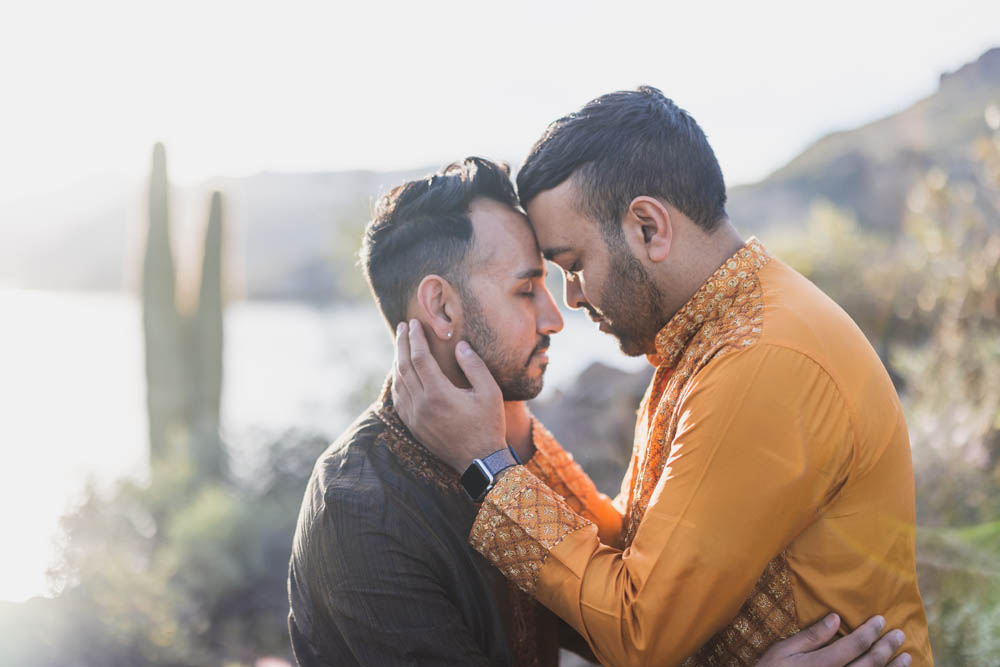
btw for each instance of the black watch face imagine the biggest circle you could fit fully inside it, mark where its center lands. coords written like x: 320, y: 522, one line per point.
x: 475, y: 481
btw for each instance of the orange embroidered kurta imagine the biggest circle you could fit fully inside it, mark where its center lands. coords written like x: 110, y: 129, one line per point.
x: 770, y: 482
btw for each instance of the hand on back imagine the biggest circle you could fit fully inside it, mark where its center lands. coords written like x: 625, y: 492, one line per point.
x: 865, y: 647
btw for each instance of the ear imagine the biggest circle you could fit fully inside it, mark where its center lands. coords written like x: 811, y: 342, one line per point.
x: 439, y: 308
x: 648, y: 228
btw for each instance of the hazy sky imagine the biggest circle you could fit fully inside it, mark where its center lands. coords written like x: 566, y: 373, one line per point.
x: 233, y: 88
x: 238, y: 87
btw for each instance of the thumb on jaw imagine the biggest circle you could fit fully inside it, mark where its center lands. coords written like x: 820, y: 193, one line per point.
x: 474, y: 368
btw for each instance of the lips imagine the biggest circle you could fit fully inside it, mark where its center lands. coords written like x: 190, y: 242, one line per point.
x: 540, y: 351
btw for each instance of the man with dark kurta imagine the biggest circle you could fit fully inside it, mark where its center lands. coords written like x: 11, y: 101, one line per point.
x: 381, y: 570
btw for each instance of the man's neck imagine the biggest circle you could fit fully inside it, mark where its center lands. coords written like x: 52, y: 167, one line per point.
x: 702, y: 255
x: 519, y: 435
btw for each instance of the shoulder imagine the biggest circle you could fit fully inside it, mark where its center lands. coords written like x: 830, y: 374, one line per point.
x: 774, y: 406
x: 347, y: 481
x: 799, y: 315
x: 764, y: 366
x: 768, y: 387
x: 360, y: 488
x: 344, y: 463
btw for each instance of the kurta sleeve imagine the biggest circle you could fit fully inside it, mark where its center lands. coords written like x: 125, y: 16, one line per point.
x: 763, y: 441
x: 555, y: 467
x: 383, y: 597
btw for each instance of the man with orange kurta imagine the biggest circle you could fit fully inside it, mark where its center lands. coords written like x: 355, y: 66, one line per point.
x: 771, y: 476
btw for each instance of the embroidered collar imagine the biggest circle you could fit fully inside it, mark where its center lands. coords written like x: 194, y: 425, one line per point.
x: 731, y: 284
x: 411, y: 454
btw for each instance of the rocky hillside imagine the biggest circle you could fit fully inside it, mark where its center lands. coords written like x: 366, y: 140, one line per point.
x: 869, y: 170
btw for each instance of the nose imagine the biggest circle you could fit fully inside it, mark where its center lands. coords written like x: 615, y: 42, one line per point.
x: 550, y: 320
x: 572, y: 293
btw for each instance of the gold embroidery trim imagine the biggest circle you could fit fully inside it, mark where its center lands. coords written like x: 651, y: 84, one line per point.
x: 520, y: 521
x: 766, y: 617
x: 408, y: 451
x: 555, y: 467
x: 724, y: 315
x: 724, y: 306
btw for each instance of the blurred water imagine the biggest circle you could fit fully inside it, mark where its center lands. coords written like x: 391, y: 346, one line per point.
x: 72, y: 395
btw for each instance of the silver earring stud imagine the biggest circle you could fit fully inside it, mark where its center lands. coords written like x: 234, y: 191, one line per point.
x: 449, y: 335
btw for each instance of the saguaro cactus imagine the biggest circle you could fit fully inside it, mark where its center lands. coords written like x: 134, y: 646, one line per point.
x: 161, y: 321
x: 205, y: 350
x: 183, y: 352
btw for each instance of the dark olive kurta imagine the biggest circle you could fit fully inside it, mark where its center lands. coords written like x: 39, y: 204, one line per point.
x: 382, y: 572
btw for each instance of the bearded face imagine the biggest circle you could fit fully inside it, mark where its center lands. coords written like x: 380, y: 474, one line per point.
x: 510, y: 364
x: 630, y: 302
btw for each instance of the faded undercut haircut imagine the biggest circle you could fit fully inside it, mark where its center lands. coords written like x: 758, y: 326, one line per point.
x: 422, y: 227
x: 623, y: 145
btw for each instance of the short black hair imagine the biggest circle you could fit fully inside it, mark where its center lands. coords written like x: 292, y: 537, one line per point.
x: 422, y: 227
x: 623, y: 145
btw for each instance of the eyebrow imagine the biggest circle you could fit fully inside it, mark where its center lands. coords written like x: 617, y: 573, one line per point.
x: 530, y: 273
x: 551, y: 253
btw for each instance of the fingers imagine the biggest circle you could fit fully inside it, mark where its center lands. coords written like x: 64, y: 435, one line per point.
x: 883, y: 650
x: 902, y: 660
x: 475, y: 369
x: 814, y: 637
x: 404, y: 363
x: 401, y: 397
x: 846, y: 649
x: 424, y: 365
x: 402, y: 400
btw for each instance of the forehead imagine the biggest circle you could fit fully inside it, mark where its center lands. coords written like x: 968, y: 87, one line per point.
x: 556, y: 220
x: 504, y: 242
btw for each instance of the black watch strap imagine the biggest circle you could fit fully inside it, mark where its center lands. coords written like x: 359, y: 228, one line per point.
x: 479, y: 478
x: 499, y: 460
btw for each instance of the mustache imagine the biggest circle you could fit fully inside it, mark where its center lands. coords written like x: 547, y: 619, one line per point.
x: 592, y: 312
x: 543, y: 344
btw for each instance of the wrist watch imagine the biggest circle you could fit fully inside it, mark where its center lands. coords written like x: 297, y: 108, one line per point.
x: 480, y: 476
